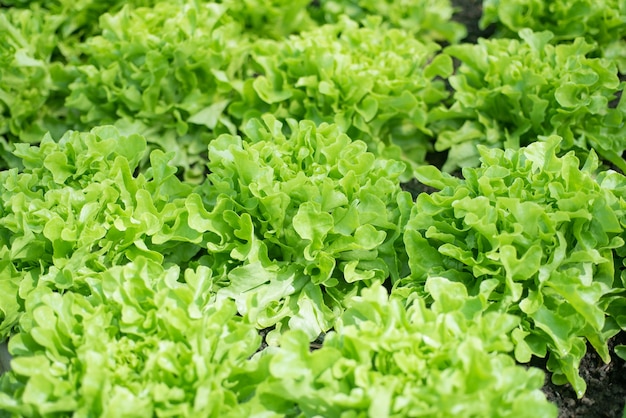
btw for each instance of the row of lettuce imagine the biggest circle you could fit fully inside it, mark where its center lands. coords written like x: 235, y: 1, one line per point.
x: 184, y: 72
x: 133, y: 288
x: 217, y: 168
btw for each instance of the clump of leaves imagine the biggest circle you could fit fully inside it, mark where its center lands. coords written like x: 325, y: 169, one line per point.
x: 74, y: 19
x: 508, y: 93
x: 542, y: 231
x: 424, y: 19
x: 31, y: 87
x: 77, y: 206
x: 298, y: 223
x: 200, y: 74
x: 169, y: 86
x: 137, y: 343
x: 378, y: 85
x: 600, y: 22
x: 388, y: 358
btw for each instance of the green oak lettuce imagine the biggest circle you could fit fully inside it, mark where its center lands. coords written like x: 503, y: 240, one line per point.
x: 201, y: 73
x: 79, y: 19
x: 509, y: 92
x: 40, y: 46
x: 545, y: 229
x: 74, y: 20
x: 424, y: 19
x: 80, y: 64
x: 273, y: 19
x: 171, y: 86
x: 291, y: 225
x: 31, y: 86
x: 616, y: 308
x: 377, y: 84
x: 79, y: 206
x: 298, y: 222
x: 601, y: 22
x: 138, y: 343
x: 144, y: 343
x: 388, y: 358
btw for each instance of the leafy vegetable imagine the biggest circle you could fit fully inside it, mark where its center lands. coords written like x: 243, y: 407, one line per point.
x: 602, y: 22
x: 539, y: 227
x: 197, y: 76
x: 37, y: 58
x: 28, y: 82
x: 289, y: 223
x: 207, y: 68
x: 273, y: 19
x: 299, y: 223
x: 425, y: 19
x: 377, y: 84
x: 176, y: 176
x: 73, y: 20
x: 386, y: 360
x: 137, y: 344
x: 508, y: 93
x: 144, y: 344
x: 78, y: 207
x: 169, y: 86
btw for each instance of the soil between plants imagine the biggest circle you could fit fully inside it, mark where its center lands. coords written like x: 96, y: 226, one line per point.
x: 606, y: 383
x: 606, y: 387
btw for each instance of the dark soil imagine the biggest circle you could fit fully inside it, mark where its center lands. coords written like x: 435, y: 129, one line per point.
x: 469, y: 13
x: 606, y: 387
x: 606, y: 383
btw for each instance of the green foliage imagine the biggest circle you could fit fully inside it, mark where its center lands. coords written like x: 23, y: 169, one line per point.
x: 543, y: 231
x: 507, y: 93
x: 388, y: 360
x: 184, y: 87
x: 291, y: 224
x: 38, y: 50
x: 171, y: 85
x: 78, y: 207
x: 137, y: 344
x: 176, y: 176
x: 599, y: 22
x: 376, y: 84
x: 166, y: 71
x: 182, y: 73
x: 299, y: 223
x: 425, y: 19
x: 28, y: 82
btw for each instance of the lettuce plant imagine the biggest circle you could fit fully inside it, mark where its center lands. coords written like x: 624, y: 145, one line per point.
x: 507, y: 93
x: 170, y: 71
x: 201, y: 73
x: 291, y: 225
x: 30, y: 85
x: 297, y: 223
x: 137, y: 343
x: 425, y: 19
x: 171, y: 85
x: 78, y: 206
x: 600, y: 22
x: 273, y: 19
x: 376, y: 84
x: 142, y: 343
x: 544, y: 231
x: 38, y: 50
x: 387, y: 359
x: 74, y: 20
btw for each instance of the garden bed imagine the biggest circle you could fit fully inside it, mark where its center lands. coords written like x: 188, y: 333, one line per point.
x: 329, y: 208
